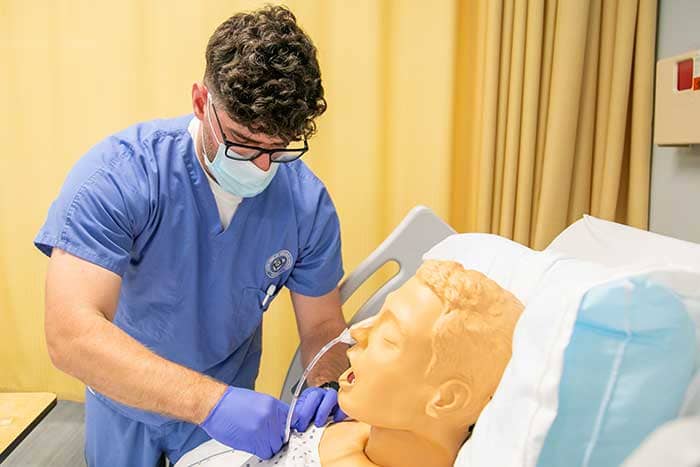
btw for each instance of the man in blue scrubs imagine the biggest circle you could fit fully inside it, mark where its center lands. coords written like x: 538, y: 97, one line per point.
x: 170, y: 239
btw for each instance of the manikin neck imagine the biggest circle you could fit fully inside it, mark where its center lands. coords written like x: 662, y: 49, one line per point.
x: 399, y: 448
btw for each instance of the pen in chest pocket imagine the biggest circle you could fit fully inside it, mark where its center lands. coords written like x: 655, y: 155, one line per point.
x: 268, y: 294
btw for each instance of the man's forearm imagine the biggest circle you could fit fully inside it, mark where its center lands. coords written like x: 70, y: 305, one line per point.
x: 113, y: 363
x: 334, y: 363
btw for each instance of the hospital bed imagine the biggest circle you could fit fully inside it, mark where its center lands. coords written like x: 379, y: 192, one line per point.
x: 590, y: 239
x: 405, y: 246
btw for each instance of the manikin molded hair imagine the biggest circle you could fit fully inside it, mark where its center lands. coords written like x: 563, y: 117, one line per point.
x: 478, y: 321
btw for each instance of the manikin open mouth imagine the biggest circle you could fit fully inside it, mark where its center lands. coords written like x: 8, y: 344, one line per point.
x: 351, y: 377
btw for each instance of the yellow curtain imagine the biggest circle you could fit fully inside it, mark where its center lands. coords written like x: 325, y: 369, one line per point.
x: 74, y: 71
x: 553, y: 111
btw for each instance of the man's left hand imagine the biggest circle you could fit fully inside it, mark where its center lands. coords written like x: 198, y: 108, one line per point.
x: 316, y: 404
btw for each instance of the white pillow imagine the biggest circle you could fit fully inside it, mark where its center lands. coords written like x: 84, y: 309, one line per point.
x: 511, y: 265
x: 615, y: 245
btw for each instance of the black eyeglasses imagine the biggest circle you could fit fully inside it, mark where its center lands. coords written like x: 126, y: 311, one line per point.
x: 244, y: 152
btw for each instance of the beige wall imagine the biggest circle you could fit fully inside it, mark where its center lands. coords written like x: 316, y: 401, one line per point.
x: 675, y: 173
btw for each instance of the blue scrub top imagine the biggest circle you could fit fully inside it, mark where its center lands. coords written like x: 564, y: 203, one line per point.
x: 139, y: 205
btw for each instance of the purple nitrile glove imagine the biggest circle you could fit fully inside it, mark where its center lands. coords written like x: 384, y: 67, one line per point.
x: 248, y: 421
x: 316, y: 404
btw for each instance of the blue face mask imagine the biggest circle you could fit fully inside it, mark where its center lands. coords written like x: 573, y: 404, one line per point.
x: 240, y: 178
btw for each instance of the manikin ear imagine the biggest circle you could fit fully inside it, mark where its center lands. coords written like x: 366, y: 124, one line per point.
x: 451, y: 398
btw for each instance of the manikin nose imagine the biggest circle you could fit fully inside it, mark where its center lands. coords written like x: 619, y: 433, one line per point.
x: 355, y: 333
x: 360, y: 330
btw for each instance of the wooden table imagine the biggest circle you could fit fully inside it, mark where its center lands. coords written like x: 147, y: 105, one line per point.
x: 20, y: 412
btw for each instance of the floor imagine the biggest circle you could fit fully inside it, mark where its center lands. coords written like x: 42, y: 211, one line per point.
x: 56, y: 441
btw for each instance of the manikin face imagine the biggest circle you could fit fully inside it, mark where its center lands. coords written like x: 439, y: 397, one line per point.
x: 386, y: 384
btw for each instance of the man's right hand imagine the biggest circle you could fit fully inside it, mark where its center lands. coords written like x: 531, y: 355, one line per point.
x: 248, y: 421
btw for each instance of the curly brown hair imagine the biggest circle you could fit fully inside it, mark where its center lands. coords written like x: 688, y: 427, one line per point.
x: 263, y: 68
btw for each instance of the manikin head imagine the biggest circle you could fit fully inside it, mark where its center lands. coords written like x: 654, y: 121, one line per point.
x: 432, y: 358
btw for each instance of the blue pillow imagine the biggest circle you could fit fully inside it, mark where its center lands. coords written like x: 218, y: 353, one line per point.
x: 626, y: 370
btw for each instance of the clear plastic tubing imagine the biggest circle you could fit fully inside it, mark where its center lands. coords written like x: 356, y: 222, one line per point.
x: 344, y: 338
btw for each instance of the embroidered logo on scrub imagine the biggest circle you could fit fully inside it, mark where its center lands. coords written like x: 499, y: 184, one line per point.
x: 278, y: 263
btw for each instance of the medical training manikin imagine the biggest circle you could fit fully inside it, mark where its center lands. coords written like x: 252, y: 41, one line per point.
x: 421, y: 372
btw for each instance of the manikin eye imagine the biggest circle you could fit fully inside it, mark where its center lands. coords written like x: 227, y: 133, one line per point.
x: 390, y: 337
x: 389, y: 333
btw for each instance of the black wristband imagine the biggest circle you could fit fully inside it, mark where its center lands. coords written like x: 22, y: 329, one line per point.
x: 331, y: 385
